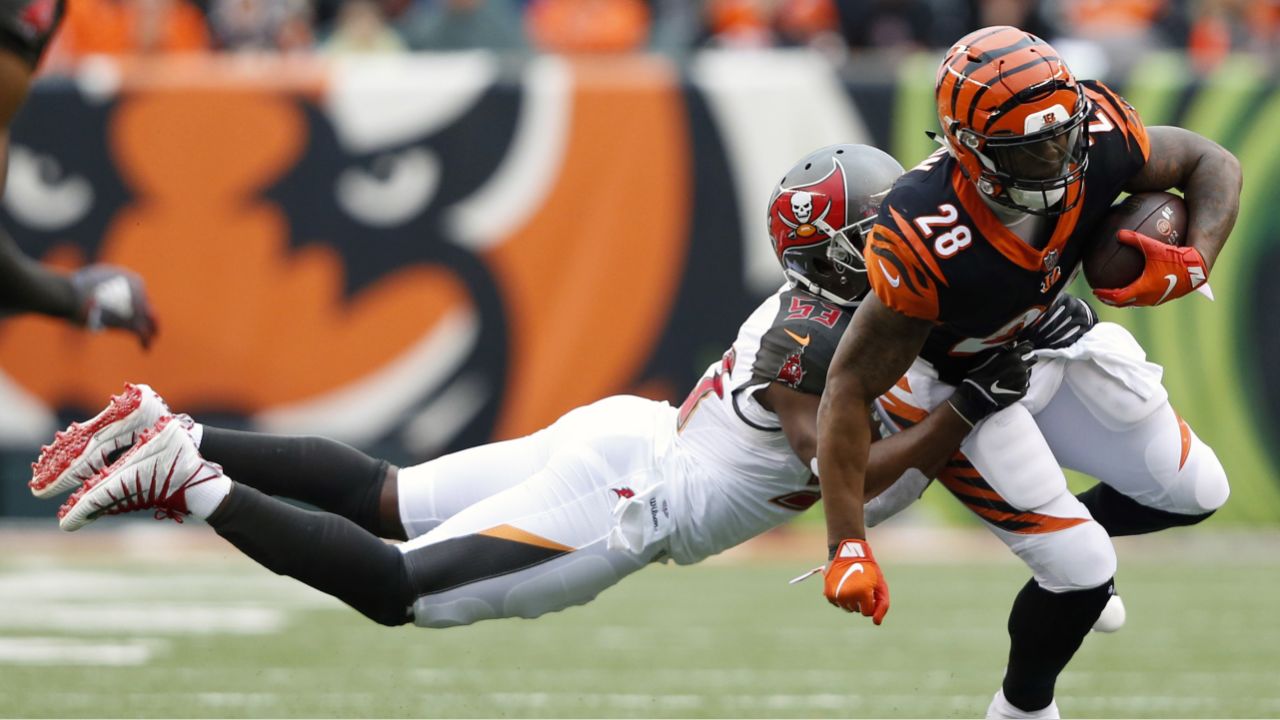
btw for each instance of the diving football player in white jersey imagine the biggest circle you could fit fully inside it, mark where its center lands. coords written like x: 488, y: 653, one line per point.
x: 540, y: 523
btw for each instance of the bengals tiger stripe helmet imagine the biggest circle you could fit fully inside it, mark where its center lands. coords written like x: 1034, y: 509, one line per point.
x: 820, y: 213
x: 1013, y: 116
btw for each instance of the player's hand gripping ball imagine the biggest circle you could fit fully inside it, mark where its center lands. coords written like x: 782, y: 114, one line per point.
x: 1138, y: 258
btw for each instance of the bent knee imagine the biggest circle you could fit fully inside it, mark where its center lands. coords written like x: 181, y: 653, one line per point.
x: 1200, y: 486
x: 1077, y: 558
x: 1211, y: 486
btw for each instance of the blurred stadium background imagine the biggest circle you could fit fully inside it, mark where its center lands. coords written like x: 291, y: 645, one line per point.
x: 419, y: 225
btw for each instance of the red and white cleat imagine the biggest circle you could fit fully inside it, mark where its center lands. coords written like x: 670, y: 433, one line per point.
x: 83, y: 449
x: 155, y: 474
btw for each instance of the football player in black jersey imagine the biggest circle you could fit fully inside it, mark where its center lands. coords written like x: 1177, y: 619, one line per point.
x: 96, y: 296
x: 543, y: 522
x: 971, y: 249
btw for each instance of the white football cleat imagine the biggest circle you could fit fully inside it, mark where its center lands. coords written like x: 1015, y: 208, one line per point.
x: 1112, y: 617
x: 155, y: 474
x: 83, y: 449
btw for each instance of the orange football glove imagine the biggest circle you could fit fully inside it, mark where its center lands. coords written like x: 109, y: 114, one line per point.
x: 1170, y: 273
x: 853, y: 581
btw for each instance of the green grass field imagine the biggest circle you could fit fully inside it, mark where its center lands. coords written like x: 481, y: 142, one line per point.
x: 104, y: 625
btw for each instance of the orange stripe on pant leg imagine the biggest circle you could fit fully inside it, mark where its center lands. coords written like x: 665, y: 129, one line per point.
x: 956, y: 486
x: 1037, y: 524
x: 894, y: 405
x: 1185, y: 431
x: 972, y: 494
x: 515, y: 534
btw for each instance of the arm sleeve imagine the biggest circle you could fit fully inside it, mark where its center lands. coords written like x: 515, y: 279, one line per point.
x: 902, y: 271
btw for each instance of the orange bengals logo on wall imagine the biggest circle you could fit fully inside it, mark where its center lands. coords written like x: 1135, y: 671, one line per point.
x: 304, y: 258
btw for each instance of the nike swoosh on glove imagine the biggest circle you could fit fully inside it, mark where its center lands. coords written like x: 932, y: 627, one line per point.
x: 112, y: 297
x: 1170, y: 272
x: 1000, y: 381
x: 853, y: 581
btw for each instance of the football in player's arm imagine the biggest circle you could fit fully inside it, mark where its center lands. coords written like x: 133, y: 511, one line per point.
x: 1211, y: 180
x: 97, y: 296
x: 572, y: 509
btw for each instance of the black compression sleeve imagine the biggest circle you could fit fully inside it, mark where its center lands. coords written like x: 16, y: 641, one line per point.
x: 325, y: 551
x: 328, y: 474
x: 1045, y: 630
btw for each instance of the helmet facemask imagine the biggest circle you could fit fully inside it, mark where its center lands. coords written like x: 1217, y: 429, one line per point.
x: 1032, y: 172
x: 835, y: 270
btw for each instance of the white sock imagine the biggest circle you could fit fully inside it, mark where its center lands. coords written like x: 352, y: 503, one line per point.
x: 204, y: 498
x: 197, y: 434
x: 1001, y: 708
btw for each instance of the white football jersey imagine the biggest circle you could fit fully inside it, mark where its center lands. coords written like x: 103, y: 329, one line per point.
x: 741, y: 476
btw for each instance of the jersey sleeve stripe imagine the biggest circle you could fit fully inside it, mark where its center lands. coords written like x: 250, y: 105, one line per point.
x: 917, y: 246
x: 1124, y: 117
x: 921, y: 303
x: 987, y: 504
x: 901, y: 267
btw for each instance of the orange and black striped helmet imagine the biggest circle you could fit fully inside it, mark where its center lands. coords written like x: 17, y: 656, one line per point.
x: 1013, y: 116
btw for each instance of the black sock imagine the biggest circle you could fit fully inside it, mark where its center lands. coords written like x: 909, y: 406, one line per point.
x: 1045, y: 630
x: 328, y: 474
x: 1121, y: 515
x: 323, y: 550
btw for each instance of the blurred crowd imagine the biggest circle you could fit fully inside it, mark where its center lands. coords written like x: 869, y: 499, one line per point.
x: 1114, y: 30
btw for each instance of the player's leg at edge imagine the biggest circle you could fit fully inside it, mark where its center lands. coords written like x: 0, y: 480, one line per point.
x: 164, y: 472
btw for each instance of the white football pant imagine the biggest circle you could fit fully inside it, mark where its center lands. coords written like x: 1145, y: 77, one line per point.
x: 1096, y: 407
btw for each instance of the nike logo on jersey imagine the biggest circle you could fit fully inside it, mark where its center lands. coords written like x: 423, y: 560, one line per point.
x: 804, y: 341
x: 894, y: 280
x: 1173, y: 282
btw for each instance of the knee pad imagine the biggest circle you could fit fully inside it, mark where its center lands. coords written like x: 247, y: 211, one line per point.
x: 1076, y: 558
x: 1014, y: 459
x: 1200, y: 484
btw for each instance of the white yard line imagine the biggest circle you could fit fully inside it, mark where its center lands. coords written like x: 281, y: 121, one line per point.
x: 66, y: 651
x: 137, y: 618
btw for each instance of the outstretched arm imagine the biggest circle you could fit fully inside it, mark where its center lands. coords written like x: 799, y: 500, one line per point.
x: 925, y: 446
x: 1209, y: 177
x: 25, y: 285
x: 96, y: 296
x: 874, y: 352
x: 28, y: 286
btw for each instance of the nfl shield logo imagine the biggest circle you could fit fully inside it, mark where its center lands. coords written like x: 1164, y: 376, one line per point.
x: 1050, y: 260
